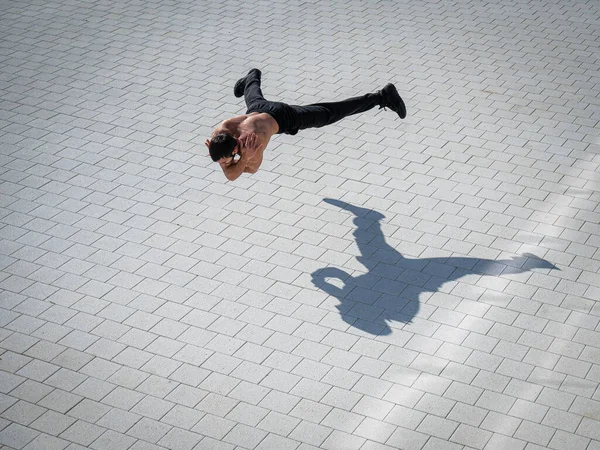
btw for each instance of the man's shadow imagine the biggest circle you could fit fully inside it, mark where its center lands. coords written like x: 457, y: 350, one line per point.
x: 390, y: 289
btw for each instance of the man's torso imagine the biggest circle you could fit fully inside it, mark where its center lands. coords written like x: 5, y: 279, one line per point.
x: 261, y: 124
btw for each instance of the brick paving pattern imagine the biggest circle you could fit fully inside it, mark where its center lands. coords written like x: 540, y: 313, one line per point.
x: 422, y: 284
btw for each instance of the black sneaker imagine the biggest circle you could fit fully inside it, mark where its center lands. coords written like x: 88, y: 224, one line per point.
x: 391, y: 99
x: 240, y: 85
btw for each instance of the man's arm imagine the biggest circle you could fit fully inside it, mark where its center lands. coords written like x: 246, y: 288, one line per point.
x: 249, y: 146
x: 234, y: 170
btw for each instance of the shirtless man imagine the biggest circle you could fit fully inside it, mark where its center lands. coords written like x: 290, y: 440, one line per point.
x: 247, y: 136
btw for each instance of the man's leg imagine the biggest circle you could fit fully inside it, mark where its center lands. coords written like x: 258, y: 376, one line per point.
x: 321, y: 114
x: 249, y: 87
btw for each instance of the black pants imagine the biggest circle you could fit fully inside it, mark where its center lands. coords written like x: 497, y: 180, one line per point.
x: 292, y: 118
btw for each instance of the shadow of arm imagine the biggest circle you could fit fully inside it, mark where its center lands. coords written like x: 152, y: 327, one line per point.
x: 319, y: 279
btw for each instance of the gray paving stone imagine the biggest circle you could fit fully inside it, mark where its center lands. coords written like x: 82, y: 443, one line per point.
x: 433, y: 404
x: 94, y: 389
x: 118, y: 420
x: 47, y: 442
x: 112, y: 440
x: 31, y: 391
x: 60, y: 401
x: 17, y: 436
x: 278, y: 423
x: 561, y: 420
x: 310, y: 433
x: 467, y: 414
x: 437, y: 426
x: 152, y: 407
x: 127, y: 377
x: 279, y: 401
x: 471, y: 436
x: 345, y: 421
x: 216, y: 404
x: 82, y: 433
x: 185, y: 395
x: 339, y: 439
x: 463, y: 393
x: 157, y: 386
x: 12, y: 362
x: 310, y: 389
x: 431, y: 383
x: 180, y: 439
x: 498, y: 441
x: 407, y: 438
x: 23, y: 412
x: 37, y: 370
x: 122, y: 398
x: 8, y: 381
x: 565, y: 440
x: 244, y: 435
x: 213, y: 426
x: 149, y: 430
x: 532, y: 432
x: 52, y: 423
x: 247, y: 414
x: 274, y: 442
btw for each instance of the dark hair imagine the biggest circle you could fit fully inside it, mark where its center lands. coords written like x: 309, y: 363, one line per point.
x: 221, y: 146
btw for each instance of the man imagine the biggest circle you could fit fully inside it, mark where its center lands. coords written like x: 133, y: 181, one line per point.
x: 247, y: 136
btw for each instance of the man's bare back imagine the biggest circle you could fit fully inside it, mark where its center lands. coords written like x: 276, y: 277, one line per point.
x: 253, y: 132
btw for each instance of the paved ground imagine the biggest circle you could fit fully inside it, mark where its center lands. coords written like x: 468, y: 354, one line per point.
x: 431, y: 283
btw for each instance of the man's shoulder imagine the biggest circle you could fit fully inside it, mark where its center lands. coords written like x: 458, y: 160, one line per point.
x: 230, y: 125
x: 259, y: 119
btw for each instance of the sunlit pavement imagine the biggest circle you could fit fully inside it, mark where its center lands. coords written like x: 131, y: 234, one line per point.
x: 428, y: 283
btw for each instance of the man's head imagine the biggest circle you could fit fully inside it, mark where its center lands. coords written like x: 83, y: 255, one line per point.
x: 222, y: 148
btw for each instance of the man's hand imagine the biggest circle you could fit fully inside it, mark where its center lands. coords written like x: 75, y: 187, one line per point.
x: 250, y: 145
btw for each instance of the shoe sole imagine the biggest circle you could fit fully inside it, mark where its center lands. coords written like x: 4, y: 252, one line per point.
x: 238, y: 89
